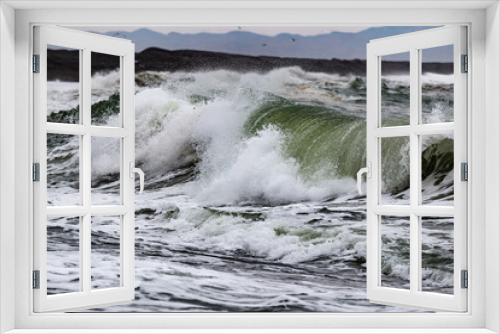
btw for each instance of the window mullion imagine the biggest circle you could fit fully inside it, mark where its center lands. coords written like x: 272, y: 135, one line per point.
x: 85, y: 246
x: 82, y: 224
x: 414, y: 171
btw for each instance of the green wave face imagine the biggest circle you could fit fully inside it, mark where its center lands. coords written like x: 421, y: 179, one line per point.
x: 329, y: 144
x: 325, y: 143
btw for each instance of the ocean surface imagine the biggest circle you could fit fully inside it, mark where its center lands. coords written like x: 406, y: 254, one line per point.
x: 250, y: 201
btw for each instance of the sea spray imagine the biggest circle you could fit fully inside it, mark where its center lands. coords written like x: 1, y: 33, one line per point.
x: 261, y: 172
x: 205, y: 117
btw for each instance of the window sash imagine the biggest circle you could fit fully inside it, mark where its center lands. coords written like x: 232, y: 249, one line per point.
x: 413, y: 43
x: 86, y: 43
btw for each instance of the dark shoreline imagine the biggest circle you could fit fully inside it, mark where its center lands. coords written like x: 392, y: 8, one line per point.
x: 63, y: 64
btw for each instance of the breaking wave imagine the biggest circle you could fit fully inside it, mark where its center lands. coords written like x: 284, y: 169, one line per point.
x: 256, y: 169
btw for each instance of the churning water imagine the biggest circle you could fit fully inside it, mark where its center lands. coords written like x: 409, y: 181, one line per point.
x: 250, y: 201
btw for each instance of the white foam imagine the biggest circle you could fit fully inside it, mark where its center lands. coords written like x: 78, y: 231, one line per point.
x: 258, y: 171
x: 438, y: 79
x: 164, y: 126
x: 233, y: 168
x: 62, y: 95
x: 427, y: 78
x: 103, y: 85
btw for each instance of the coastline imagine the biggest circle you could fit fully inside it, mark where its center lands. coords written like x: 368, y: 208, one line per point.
x: 61, y: 63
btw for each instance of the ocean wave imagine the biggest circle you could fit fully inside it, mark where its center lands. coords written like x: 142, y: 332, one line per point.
x: 250, y: 182
x: 218, y: 123
x: 261, y: 172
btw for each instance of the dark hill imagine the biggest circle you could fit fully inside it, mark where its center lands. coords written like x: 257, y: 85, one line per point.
x: 63, y: 64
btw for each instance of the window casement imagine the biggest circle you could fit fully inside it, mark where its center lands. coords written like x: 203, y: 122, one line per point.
x: 415, y: 211
x: 80, y: 211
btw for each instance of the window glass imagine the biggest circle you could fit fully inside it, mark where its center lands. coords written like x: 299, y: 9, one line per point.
x: 395, y: 252
x: 395, y: 168
x: 63, y: 170
x: 105, y: 253
x: 438, y: 170
x: 395, y: 89
x: 437, y: 254
x: 63, y: 85
x: 63, y: 255
x: 437, y: 84
x: 106, y: 171
x: 105, y: 86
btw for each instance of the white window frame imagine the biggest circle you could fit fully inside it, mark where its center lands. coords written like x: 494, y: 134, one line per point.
x: 414, y: 44
x: 484, y: 237
x: 86, y: 43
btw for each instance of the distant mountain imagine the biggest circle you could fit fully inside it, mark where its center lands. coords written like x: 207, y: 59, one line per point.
x: 340, y: 45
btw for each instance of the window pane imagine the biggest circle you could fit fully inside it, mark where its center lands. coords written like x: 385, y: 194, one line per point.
x: 63, y: 85
x: 437, y: 170
x: 63, y: 255
x: 105, y: 86
x: 106, y: 159
x: 437, y: 254
x: 437, y: 84
x: 395, y: 89
x: 395, y: 169
x: 105, y: 254
x: 395, y: 252
x: 63, y: 170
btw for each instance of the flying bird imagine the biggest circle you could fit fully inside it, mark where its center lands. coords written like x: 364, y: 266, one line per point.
x: 264, y: 45
x: 292, y: 39
x: 239, y: 28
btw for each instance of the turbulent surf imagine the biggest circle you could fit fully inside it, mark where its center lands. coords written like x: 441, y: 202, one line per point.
x: 251, y: 200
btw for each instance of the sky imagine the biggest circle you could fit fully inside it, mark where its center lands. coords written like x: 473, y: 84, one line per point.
x: 316, y: 42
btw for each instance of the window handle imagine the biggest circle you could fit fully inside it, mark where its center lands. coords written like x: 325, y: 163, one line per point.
x: 134, y: 170
x: 368, y: 171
